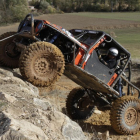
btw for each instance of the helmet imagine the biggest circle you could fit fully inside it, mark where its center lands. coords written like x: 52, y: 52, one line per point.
x: 113, y: 51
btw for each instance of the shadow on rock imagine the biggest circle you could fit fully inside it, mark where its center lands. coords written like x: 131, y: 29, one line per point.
x: 91, y: 128
x: 4, y: 123
x: 4, y: 120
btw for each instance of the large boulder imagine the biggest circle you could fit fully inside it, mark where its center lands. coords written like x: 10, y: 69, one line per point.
x: 30, y: 116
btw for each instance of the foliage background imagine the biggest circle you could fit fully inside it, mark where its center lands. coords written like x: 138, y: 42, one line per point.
x: 15, y: 10
x: 96, y: 5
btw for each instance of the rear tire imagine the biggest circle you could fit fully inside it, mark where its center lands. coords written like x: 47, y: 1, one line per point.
x: 125, y: 115
x: 42, y: 64
x: 79, y: 105
x: 9, y: 57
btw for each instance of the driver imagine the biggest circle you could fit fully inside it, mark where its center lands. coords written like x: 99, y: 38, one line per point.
x: 110, y: 59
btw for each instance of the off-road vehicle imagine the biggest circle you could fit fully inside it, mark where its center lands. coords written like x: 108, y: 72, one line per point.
x: 43, y: 51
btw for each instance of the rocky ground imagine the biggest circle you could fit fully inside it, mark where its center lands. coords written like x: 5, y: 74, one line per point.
x: 98, y: 125
x: 38, y: 114
x: 30, y: 116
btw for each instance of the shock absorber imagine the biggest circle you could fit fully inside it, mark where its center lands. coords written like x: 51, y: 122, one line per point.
x: 120, y: 86
x: 54, y: 38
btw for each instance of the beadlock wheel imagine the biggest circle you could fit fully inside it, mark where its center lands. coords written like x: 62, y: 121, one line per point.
x: 125, y: 115
x: 78, y: 104
x: 42, y: 64
x: 131, y: 116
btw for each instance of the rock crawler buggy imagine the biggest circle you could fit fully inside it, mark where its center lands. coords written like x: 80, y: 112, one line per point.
x: 43, y: 51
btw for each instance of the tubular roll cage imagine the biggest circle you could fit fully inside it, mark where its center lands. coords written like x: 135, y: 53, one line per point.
x: 87, y: 51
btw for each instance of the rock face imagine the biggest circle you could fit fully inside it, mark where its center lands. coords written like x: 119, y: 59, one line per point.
x: 30, y: 116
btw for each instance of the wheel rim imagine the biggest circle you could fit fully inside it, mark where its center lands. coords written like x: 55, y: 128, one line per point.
x: 10, y: 50
x: 83, y: 104
x: 130, y: 116
x: 41, y: 66
x: 44, y: 67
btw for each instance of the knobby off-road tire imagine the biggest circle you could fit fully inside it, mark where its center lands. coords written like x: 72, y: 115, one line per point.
x: 9, y: 56
x: 79, y: 105
x: 42, y: 64
x: 125, y: 117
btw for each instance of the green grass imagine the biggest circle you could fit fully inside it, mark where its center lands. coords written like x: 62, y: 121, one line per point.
x: 130, y: 39
x: 131, y: 16
x: 127, y: 37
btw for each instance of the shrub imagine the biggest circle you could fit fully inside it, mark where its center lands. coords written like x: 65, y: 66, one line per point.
x: 43, y: 5
x: 97, y: 7
x: 51, y: 9
x: 137, y: 8
x: 105, y: 8
x: 19, y: 12
x: 13, y: 10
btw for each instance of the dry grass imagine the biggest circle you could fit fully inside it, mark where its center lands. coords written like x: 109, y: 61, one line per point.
x: 86, y: 21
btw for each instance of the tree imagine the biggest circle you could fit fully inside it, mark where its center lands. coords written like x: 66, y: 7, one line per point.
x: 132, y: 4
x: 13, y: 10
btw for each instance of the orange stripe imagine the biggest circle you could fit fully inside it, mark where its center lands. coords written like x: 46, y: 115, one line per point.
x: 94, y: 47
x: 79, y: 57
x: 112, y: 79
x: 47, y: 22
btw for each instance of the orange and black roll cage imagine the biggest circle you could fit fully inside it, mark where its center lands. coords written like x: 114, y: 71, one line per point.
x: 84, y: 53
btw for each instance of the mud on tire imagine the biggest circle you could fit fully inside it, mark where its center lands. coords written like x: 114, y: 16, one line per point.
x: 8, y: 55
x: 78, y: 105
x: 42, y: 64
x: 125, y: 115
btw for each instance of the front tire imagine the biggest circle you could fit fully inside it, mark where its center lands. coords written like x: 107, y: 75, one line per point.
x: 78, y: 104
x: 125, y: 115
x: 42, y: 64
